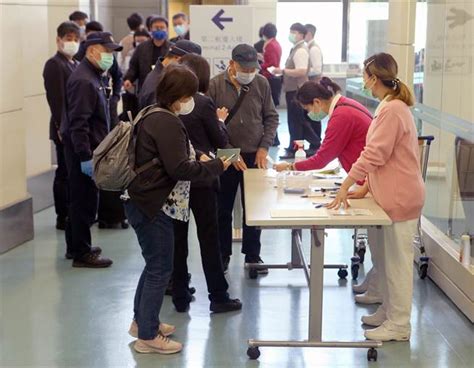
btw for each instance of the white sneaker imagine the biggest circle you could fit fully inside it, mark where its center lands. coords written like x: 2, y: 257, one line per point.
x: 165, y: 329
x: 361, y: 288
x: 384, y: 333
x: 160, y: 345
x: 376, y: 319
x: 368, y: 299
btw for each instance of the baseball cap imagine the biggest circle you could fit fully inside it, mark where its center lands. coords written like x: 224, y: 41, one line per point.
x: 183, y: 47
x: 103, y: 38
x: 246, y: 56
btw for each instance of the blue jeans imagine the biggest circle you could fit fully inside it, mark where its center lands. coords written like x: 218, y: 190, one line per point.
x: 156, y: 238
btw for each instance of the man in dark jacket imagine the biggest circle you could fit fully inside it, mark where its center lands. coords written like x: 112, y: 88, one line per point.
x: 56, y: 73
x: 181, y: 27
x: 147, y: 54
x: 147, y: 95
x: 252, y: 129
x: 113, y: 73
x: 87, y: 124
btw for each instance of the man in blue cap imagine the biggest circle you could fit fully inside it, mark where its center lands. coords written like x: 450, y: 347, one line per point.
x: 86, y: 125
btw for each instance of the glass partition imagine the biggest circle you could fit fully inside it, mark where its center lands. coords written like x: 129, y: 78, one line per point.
x: 444, y: 91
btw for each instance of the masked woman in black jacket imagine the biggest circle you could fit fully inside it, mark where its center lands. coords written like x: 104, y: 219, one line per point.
x: 207, y: 133
x: 160, y: 195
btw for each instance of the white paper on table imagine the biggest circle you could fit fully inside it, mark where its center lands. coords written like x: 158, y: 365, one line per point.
x: 351, y: 212
x: 299, y: 213
x: 270, y: 173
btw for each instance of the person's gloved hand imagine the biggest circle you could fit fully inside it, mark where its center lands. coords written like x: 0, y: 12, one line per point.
x: 86, y: 168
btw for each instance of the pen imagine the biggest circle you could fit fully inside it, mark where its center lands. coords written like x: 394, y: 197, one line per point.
x: 319, y: 205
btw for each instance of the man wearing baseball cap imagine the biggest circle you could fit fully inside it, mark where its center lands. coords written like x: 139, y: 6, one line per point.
x: 176, y: 51
x: 86, y: 125
x: 251, y: 127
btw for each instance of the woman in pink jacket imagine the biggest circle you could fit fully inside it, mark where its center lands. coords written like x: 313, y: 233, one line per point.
x: 390, y: 163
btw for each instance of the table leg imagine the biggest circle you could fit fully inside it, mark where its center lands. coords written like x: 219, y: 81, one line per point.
x: 316, y: 285
x: 296, y: 236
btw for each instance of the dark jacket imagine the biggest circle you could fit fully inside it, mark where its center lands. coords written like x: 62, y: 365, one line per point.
x: 88, y: 119
x: 142, y: 61
x: 178, y: 38
x: 147, y: 94
x: 163, y: 136
x: 255, y: 123
x: 56, y: 73
x: 205, y: 131
x: 113, y: 73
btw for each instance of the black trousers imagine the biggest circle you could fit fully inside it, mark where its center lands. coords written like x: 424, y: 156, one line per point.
x: 83, y: 201
x: 111, y: 210
x: 299, y: 125
x: 60, y: 184
x: 230, y: 181
x: 203, y: 203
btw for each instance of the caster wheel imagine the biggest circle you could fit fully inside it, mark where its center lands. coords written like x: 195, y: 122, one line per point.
x: 361, y: 254
x: 372, y: 355
x: 355, y: 271
x: 342, y: 273
x: 124, y: 224
x: 253, y: 273
x: 192, y: 290
x: 253, y: 353
x: 423, y: 270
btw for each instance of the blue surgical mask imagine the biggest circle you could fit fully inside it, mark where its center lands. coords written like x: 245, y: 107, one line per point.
x: 181, y: 29
x: 159, y: 35
x: 245, y: 78
x: 106, y: 61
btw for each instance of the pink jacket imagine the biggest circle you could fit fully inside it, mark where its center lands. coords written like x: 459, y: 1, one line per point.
x: 390, y: 161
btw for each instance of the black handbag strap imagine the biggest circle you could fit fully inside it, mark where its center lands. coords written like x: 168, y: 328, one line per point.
x: 243, y: 92
x: 354, y: 107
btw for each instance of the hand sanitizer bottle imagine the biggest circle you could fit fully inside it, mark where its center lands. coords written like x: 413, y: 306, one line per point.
x: 300, y: 154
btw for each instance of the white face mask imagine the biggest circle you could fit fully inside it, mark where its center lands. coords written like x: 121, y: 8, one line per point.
x: 186, y: 108
x: 245, y: 78
x: 70, y: 48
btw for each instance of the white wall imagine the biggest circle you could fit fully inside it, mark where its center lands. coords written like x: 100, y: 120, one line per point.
x: 27, y: 34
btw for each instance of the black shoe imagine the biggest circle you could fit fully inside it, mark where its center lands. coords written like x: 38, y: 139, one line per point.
x: 227, y: 306
x: 61, y: 223
x: 91, y: 260
x: 257, y: 260
x: 288, y: 155
x: 181, y: 303
x: 94, y: 250
x: 225, y: 263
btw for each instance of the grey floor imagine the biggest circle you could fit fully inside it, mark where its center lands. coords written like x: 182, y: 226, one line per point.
x: 55, y: 316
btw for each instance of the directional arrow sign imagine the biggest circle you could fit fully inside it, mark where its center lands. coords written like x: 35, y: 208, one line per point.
x: 218, y: 19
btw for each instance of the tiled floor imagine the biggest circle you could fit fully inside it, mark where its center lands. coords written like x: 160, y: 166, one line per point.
x: 52, y: 315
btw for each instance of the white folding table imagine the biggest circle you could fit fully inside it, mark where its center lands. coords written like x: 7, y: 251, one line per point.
x: 261, y: 197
